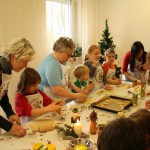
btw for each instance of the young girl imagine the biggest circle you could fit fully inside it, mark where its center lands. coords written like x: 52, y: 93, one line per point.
x: 109, y: 67
x: 96, y: 71
x: 29, y: 101
x: 81, y: 72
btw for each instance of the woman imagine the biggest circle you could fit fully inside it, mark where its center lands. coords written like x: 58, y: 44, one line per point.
x: 16, y: 56
x: 50, y: 70
x: 147, y: 66
x: 133, y: 61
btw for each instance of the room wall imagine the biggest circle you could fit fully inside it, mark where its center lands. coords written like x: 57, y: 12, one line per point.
x: 128, y: 21
x: 23, y: 18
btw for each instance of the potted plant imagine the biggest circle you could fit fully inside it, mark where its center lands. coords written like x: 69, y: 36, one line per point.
x: 77, y: 53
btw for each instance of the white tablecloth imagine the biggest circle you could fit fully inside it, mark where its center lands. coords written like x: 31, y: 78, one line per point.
x: 8, y: 142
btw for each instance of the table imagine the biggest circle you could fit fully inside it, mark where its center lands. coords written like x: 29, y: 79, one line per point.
x: 8, y: 142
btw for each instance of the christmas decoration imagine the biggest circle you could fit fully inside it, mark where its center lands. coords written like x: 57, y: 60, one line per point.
x: 77, y: 52
x: 67, y: 130
x: 106, y: 43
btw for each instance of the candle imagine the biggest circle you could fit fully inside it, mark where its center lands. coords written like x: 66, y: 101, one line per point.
x: 78, y: 128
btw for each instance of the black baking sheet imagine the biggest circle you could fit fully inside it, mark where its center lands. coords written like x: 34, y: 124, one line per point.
x: 113, y: 104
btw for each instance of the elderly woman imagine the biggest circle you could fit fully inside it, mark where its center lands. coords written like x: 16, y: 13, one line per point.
x: 16, y: 56
x: 50, y: 70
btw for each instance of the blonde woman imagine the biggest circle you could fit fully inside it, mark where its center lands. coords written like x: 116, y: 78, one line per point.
x: 15, y: 56
x: 50, y: 70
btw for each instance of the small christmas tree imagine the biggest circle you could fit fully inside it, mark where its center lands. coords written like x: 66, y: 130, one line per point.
x: 106, y: 43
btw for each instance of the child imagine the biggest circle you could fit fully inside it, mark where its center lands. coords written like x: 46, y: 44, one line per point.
x: 110, y: 68
x: 96, y: 71
x: 81, y: 72
x: 121, y: 134
x: 142, y: 120
x: 29, y: 101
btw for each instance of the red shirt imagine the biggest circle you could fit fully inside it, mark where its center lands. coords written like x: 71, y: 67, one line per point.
x: 23, y: 108
x: 126, y: 62
x: 107, y: 66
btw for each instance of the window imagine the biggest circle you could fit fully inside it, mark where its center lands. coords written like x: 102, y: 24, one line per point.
x: 58, y: 22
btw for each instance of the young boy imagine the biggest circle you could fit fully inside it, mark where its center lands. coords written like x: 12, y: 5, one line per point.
x: 81, y: 72
x: 109, y: 67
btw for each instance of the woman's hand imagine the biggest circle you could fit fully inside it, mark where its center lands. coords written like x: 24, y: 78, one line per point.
x: 17, y: 130
x: 14, y: 119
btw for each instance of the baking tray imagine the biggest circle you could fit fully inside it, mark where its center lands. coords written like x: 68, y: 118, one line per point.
x: 113, y: 104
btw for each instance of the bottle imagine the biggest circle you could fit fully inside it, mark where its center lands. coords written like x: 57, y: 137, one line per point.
x: 134, y: 99
x: 142, y: 92
x: 93, y: 118
x: 148, y: 80
x: 143, y: 88
x: 134, y: 83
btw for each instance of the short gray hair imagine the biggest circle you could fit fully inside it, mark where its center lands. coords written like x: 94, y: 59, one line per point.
x: 64, y: 44
x: 20, y: 48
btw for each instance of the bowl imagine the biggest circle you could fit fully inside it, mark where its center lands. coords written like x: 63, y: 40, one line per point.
x: 81, y: 144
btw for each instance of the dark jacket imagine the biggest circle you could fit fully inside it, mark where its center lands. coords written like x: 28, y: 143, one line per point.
x: 6, y: 68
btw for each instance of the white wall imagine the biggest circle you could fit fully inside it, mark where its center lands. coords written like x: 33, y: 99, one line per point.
x: 129, y: 21
x: 23, y: 18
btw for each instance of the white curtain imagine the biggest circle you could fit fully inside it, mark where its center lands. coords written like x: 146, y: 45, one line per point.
x: 57, y: 20
x: 86, y: 18
x: 23, y: 18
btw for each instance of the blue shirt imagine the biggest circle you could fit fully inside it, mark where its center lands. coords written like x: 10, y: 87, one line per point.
x: 50, y: 71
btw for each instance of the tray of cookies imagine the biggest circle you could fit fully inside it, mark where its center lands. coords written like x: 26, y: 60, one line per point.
x: 113, y: 104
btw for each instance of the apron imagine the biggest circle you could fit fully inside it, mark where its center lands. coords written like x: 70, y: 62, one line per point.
x: 5, y: 83
x: 65, y: 81
x: 137, y: 70
x: 111, y: 73
x: 66, y: 75
x: 98, y: 78
x: 36, y: 101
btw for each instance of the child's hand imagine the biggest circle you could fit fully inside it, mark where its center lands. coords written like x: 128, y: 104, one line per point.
x: 70, y: 85
x: 54, y: 106
x: 91, y: 86
x: 80, y: 96
x: 147, y: 104
x: 117, y: 81
x: 108, y: 87
x: 59, y: 101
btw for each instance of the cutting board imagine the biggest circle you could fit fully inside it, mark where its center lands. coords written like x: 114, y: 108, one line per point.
x: 41, y: 125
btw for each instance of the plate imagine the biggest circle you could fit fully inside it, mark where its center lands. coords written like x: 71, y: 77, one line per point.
x: 81, y: 144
